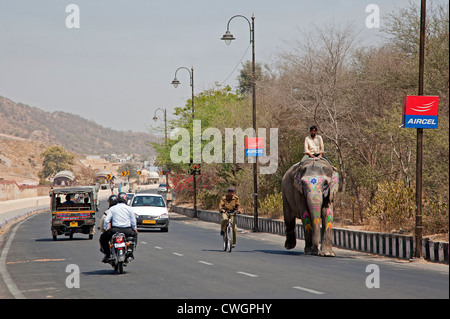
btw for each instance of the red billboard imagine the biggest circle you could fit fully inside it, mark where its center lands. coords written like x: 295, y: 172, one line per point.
x: 420, y: 111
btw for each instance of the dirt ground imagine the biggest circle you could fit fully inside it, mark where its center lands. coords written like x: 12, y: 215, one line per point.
x: 20, y: 159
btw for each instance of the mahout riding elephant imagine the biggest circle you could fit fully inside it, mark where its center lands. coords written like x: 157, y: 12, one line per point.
x: 308, y: 192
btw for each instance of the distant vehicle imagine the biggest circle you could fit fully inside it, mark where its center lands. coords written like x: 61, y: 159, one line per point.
x: 74, y: 215
x: 151, y: 211
x: 162, y: 188
x: 130, y: 198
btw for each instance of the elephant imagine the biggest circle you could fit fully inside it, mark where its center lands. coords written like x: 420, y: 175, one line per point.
x: 308, y: 191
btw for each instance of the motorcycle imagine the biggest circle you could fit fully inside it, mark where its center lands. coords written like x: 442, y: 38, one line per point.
x: 122, y: 251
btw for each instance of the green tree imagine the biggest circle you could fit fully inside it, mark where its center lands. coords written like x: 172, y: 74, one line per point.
x: 56, y: 159
x: 245, y: 76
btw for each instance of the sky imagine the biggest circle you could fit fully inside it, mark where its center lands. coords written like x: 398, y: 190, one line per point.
x: 117, y: 67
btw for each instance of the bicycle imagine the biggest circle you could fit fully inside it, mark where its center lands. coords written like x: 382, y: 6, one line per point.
x: 228, y: 236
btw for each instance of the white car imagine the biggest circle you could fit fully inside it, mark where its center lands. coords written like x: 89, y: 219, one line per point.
x: 151, y: 211
x: 162, y: 188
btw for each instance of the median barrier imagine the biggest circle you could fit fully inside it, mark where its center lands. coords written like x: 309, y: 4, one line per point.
x: 385, y: 244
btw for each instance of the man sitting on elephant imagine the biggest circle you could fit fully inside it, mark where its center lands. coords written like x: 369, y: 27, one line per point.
x: 313, y: 146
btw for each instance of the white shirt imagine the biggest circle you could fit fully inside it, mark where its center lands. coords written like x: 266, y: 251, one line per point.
x: 314, y: 145
x: 120, y: 215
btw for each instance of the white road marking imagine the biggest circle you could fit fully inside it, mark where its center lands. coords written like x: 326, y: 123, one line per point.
x: 178, y: 254
x: 308, y: 290
x: 247, y: 274
x: 205, y: 263
x: 157, y: 247
x: 144, y: 242
x: 4, y: 272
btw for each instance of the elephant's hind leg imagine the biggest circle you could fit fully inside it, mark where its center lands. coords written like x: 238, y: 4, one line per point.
x: 289, y: 222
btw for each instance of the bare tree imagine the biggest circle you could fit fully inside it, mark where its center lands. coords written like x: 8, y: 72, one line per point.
x: 320, y: 77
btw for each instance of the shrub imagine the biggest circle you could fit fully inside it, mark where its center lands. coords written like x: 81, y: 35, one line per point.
x: 272, y: 205
x: 392, y: 206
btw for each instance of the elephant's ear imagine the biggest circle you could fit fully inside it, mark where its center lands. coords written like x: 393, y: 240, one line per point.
x: 298, y: 181
x: 334, y: 185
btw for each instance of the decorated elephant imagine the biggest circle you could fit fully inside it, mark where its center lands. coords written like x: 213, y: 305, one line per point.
x: 308, y: 191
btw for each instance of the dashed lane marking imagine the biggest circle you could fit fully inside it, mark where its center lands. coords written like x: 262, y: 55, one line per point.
x: 247, y: 274
x: 308, y: 290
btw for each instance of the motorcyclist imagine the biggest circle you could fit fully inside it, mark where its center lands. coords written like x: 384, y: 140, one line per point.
x: 120, y: 218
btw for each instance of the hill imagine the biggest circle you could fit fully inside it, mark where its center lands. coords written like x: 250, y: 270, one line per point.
x: 71, y: 131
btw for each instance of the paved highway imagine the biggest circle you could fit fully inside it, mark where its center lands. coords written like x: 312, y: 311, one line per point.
x: 188, y: 262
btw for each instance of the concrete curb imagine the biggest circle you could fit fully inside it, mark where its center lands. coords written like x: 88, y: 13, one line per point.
x: 385, y: 244
x: 14, y: 209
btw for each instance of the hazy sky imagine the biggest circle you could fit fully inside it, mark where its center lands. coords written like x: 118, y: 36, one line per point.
x: 116, y: 69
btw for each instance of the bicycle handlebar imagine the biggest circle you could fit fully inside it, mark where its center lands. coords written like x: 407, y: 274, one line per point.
x: 230, y: 212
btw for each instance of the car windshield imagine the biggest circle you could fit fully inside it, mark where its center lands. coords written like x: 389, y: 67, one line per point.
x: 148, y: 201
x: 162, y: 185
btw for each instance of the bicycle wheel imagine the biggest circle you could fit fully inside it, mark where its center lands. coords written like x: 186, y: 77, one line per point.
x: 230, y: 237
x: 225, y: 241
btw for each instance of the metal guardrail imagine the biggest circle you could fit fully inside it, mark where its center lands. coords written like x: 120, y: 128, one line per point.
x: 385, y: 244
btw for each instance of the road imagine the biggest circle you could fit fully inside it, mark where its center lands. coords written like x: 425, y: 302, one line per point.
x: 188, y: 263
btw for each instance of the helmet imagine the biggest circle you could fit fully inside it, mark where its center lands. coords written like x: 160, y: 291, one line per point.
x: 112, y: 200
x: 122, y: 198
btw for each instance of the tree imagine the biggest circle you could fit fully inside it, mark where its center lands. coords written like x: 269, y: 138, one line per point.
x: 131, y: 170
x: 245, y: 76
x: 56, y: 159
x: 320, y: 85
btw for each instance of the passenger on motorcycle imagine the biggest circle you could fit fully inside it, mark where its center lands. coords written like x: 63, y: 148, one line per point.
x: 120, y: 218
x: 112, y: 200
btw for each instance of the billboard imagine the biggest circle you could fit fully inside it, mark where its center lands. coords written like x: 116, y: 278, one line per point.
x: 420, y: 111
x: 254, y: 146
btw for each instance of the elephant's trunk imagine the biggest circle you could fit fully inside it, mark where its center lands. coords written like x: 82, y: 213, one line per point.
x: 313, y: 189
x: 314, y: 202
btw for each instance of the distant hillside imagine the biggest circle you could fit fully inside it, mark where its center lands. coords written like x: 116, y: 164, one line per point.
x: 71, y: 131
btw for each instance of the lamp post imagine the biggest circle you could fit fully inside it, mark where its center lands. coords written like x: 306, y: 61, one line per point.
x: 155, y: 118
x: 419, y: 155
x: 175, y: 83
x: 228, y: 37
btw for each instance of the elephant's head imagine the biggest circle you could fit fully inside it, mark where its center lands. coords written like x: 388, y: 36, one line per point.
x: 317, y: 182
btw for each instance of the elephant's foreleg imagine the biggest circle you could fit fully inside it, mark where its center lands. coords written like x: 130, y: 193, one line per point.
x: 327, y: 232
x: 308, y: 228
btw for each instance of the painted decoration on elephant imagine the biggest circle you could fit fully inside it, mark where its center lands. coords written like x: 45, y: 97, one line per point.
x: 307, y: 221
x: 329, y: 218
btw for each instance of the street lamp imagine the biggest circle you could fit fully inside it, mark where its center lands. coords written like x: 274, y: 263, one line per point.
x: 228, y: 37
x: 155, y: 118
x: 175, y: 84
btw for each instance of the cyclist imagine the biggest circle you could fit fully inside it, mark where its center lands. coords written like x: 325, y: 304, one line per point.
x: 229, y: 202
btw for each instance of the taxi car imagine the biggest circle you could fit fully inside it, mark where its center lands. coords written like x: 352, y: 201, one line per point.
x: 151, y: 211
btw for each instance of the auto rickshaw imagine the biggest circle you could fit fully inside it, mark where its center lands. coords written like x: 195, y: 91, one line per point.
x: 73, y: 211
